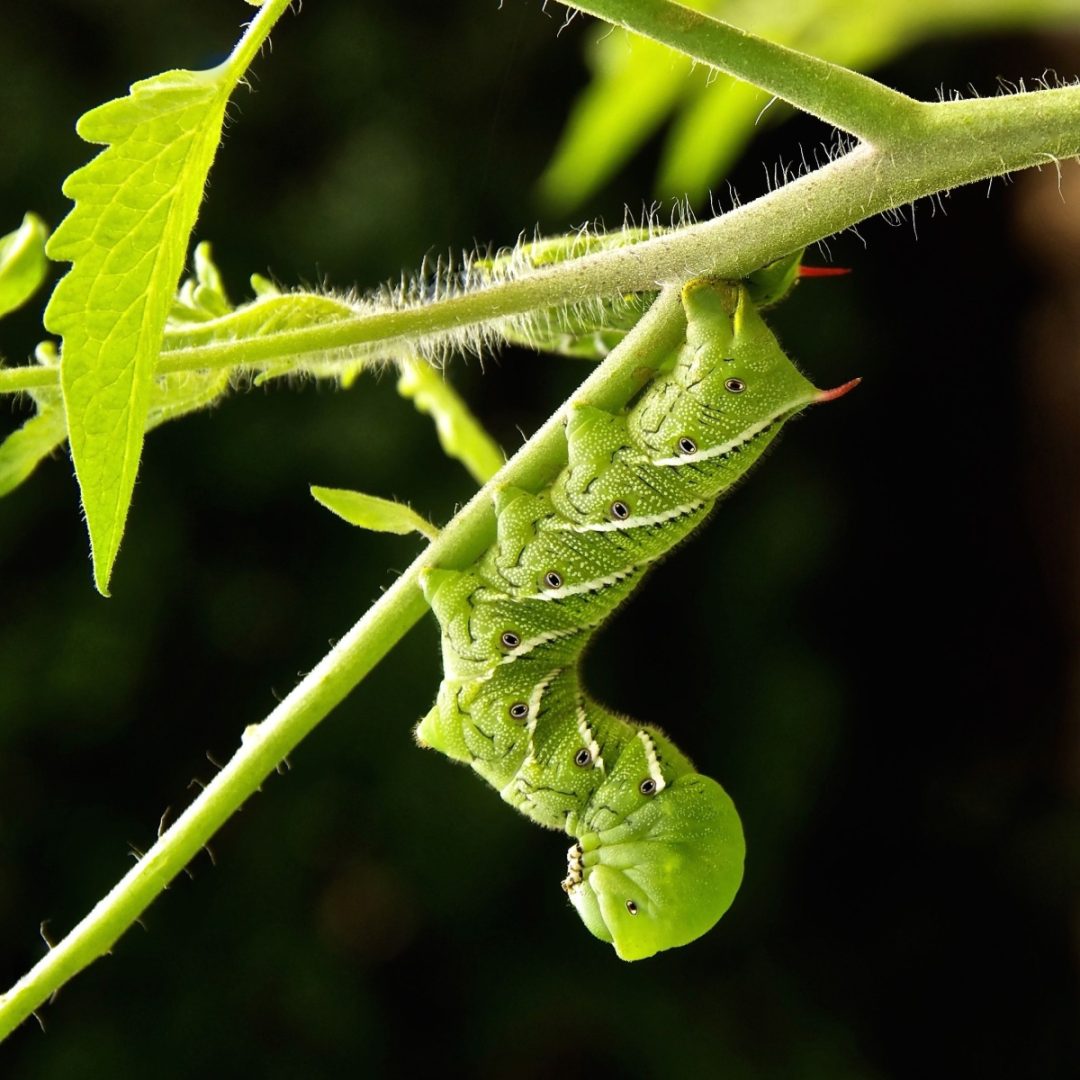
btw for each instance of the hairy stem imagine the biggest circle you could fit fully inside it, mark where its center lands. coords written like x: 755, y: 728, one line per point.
x: 257, y: 33
x: 960, y: 142
x: 844, y: 98
x: 264, y: 745
x: 918, y: 150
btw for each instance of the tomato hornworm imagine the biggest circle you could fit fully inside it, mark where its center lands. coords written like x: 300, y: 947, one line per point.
x: 658, y: 852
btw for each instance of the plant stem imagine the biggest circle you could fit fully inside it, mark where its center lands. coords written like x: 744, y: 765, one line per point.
x: 962, y: 142
x: 263, y: 746
x: 844, y: 98
x: 30, y: 377
x: 256, y: 34
x: 920, y: 149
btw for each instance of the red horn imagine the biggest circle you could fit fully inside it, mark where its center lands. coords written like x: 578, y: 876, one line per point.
x: 823, y: 271
x: 840, y: 391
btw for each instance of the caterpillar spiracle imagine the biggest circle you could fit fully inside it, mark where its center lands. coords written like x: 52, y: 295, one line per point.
x: 658, y: 851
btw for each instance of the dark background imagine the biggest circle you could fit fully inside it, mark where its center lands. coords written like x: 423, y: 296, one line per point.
x: 873, y: 645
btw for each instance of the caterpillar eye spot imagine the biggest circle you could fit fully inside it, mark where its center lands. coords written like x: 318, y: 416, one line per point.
x: 631, y: 907
x: 647, y: 786
x: 583, y: 758
x: 553, y: 580
x: 620, y: 511
x: 510, y: 640
x: 687, y: 445
x: 519, y: 710
x: 736, y: 386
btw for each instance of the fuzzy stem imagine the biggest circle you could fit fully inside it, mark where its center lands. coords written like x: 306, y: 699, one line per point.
x: 31, y: 377
x: 961, y: 142
x: 930, y: 148
x: 844, y: 98
x: 256, y: 34
x: 264, y: 745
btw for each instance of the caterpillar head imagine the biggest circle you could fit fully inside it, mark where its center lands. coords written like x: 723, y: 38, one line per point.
x: 732, y: 386
x: 668, y: 870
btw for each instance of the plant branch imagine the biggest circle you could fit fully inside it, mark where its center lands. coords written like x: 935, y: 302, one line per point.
x: 837, y: 95
x: 30, y: 377
x: 264, y: 745
x: 920, y: 149
x: 963, y: 142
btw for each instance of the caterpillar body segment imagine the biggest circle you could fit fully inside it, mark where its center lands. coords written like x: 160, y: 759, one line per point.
x: 659, y: 849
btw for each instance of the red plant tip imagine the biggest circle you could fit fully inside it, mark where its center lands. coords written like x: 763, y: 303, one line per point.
x: 839, y: 391
x: 823, y: 271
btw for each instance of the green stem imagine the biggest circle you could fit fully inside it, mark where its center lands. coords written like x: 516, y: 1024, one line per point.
x: 264, y: 745
x: 961, y: 142
x: 844, y: 98
x: 254, y: 37
x: 922, y: 150
x: 32, y: 377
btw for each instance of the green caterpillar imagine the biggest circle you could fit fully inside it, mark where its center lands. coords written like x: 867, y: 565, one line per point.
x: 659, y: 848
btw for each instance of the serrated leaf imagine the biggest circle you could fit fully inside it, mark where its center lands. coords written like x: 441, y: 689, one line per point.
x: 135, y: 206
x: 371, y: 512
x: 23, y: 265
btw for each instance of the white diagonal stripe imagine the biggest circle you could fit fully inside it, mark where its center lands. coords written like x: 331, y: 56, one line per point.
x: 638, y: 522
x: 715, y: 451
x: 653, y: 761
x: 587, y: 737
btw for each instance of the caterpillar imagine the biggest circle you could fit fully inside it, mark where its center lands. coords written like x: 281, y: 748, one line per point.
x: 658, y: 847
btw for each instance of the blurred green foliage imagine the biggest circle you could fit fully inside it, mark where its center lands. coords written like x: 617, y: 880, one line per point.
x: 871, y: 641
x: 637, y: 86
x: 22, y: 263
